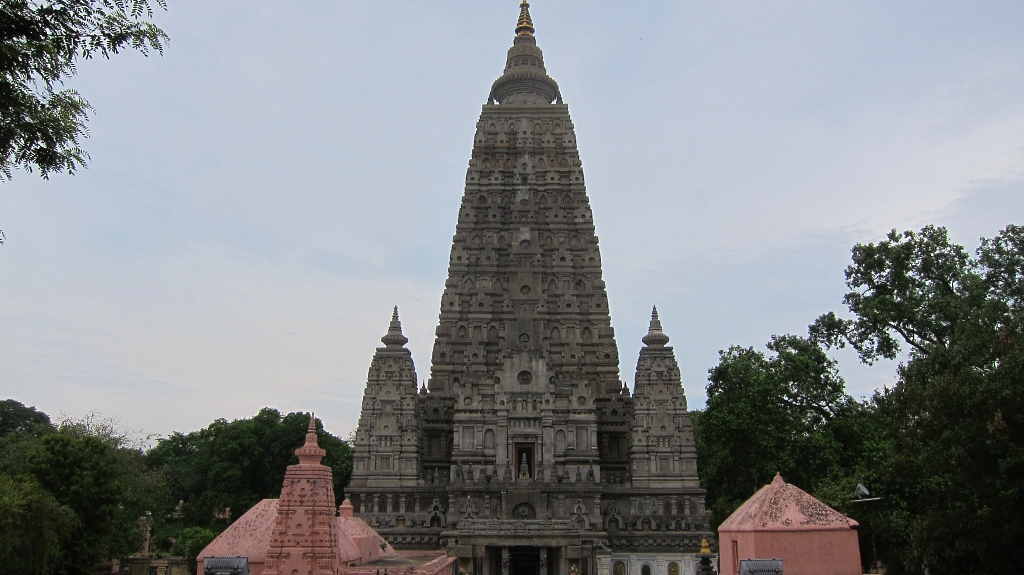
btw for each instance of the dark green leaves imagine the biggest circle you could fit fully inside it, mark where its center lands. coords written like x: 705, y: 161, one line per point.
x: 768, y: 414
x: 239, y: 463
x: 33, y: 527
x: 912, y: 287
x: 16, y: 418
x: 952, y: 428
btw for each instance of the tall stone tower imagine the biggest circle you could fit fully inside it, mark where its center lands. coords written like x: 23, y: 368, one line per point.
x: 525, y: 454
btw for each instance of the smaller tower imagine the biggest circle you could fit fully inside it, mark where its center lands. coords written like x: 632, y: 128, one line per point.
x: 387, y: 439
x: 662, y: 452
x: 304, y: 537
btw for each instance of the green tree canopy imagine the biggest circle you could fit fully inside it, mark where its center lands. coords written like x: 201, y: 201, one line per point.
x: 953, y: 500
x: 81, y: 474
x: 41, y: 43
x: 16, y: 418
x: 33, y: 527
x: 97, y: 474
x: 234, y: 465
x: 785, y: 413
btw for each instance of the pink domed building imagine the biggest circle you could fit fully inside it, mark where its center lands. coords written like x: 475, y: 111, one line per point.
x: 782, y: 521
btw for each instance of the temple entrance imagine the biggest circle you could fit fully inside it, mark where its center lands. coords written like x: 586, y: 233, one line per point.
x: 524, y: 561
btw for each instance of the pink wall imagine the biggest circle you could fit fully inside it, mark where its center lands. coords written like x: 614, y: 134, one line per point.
x: 833, y: 552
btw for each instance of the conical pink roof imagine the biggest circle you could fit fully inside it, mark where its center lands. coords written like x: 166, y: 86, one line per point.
x: 310, y: 453
x: 779, y: 506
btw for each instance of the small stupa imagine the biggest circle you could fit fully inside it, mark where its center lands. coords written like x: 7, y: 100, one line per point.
x: 304, y: 538
x: 301, y: 532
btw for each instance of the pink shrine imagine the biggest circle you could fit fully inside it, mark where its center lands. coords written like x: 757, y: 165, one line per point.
x: 782, y: 521
x: 301, y: 532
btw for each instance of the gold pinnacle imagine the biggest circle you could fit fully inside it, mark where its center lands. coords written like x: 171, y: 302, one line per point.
x: 525, y: 25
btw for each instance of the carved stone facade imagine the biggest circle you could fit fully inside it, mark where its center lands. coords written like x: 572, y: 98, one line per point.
x: 525, y: 453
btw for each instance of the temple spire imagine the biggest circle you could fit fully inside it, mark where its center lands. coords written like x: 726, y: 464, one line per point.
x: 394, y: 338
x: 525, y: 25
x: 655, y: 337
x: 310, y: 453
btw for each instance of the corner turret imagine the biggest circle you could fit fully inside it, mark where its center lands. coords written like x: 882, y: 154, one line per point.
x: 387, y: 438
x: 662, y: 451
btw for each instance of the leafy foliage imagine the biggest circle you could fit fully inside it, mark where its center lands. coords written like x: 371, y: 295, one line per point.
x: 954, y: 423
x: 33, y: 527
x: 79, y: 472
x: 191, y: 542
x: 234, y: 465
x: 95, y: 474
x: 16, y: 418
x: 40, y: 45
x: 786, y: 413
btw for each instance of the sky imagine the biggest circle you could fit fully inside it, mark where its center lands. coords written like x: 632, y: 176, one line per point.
x: 261, y: 195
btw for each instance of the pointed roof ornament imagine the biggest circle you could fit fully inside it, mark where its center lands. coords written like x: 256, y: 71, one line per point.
x: 310, y: 453
x: 394, y: 338
x: 655, y: 337
x: 525, y: 25
x: 525, y: 80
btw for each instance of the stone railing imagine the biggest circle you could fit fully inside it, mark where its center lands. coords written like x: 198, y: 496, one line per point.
x: 516, y: 526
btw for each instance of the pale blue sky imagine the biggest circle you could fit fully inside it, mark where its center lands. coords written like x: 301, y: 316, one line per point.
x: 261, y: 195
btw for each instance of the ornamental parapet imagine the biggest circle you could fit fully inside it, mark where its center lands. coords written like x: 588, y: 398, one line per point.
x: 516, y: 526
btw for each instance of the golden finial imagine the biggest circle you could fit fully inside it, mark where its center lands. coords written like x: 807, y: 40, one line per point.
x: 525, y: 25
x: 705, y: 549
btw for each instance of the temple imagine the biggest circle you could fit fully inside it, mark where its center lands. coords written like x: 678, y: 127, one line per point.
x: 525, y: 453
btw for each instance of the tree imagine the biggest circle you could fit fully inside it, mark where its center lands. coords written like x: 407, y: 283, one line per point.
x: 191, y: 542
x: 141, y: 491
x: 16, y: 418
x: 41, y: 43
x: 81, y: 474
x: 33, y: 527
x: 952, y: 497
x: 786, y: 413
x: 234, y: 465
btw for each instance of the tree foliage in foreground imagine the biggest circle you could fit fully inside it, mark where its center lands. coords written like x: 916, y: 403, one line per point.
x: 80, y: 489
x: 15, y: 417
x: 33, y: 527
x: 782, y: 413
x: 72, y: 495
x: 953, y: 498
x: 234, y: 465
x: 41, y: 43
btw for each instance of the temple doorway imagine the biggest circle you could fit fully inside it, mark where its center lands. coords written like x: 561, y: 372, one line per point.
x: 524, y: 561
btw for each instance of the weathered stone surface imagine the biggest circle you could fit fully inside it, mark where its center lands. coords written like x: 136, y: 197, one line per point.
x: 780, y: 506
